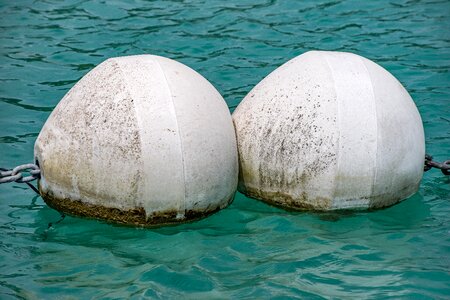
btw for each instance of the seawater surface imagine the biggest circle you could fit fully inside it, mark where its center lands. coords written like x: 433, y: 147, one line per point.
x: 249, y: 250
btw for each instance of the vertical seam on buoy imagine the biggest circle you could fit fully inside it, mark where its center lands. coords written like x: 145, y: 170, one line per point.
x: 375, y: 171
x: 339, y: 130
x: 181, y: 203
x: 126, y: 89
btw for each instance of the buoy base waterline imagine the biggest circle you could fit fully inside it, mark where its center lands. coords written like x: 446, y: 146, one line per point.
x: 131, y: 217
x: 321, y: 204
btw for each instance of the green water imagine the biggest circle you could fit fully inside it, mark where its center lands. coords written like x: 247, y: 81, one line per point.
x: 249, y: 250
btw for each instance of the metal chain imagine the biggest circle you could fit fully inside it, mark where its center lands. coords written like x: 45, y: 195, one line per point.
x: 15, y: 175
x: 430, y: 163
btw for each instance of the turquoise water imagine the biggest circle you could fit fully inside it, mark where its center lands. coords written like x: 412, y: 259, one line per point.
x: 249, y: 250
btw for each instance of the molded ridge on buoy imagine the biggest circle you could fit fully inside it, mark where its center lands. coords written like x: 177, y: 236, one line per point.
x: 329, y: 130
x: 139, y: 140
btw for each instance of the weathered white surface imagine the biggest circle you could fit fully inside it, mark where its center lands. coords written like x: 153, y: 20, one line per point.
x: 141, y: 131
x: 329, y: 130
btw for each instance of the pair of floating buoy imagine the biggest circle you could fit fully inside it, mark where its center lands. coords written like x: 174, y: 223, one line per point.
x: 146, y: 140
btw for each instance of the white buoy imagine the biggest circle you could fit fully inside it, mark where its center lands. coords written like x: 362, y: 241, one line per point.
x: 139, y: 140
x: 329, y: 130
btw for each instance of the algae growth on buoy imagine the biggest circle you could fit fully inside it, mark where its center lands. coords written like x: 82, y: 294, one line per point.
x: 329, y: 130
x: 139, y: 140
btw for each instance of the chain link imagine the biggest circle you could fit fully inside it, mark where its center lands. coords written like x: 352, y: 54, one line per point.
x: 430, y: 163
x: 15, y: 175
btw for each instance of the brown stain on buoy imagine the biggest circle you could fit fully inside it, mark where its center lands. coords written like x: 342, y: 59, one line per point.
x: 134, y: 217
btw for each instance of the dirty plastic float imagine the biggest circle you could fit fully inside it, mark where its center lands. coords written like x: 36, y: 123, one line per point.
x: 329, y: 130
x: 139, y: 140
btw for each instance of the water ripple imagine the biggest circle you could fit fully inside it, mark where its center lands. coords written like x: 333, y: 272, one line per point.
x: 250, y: 250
